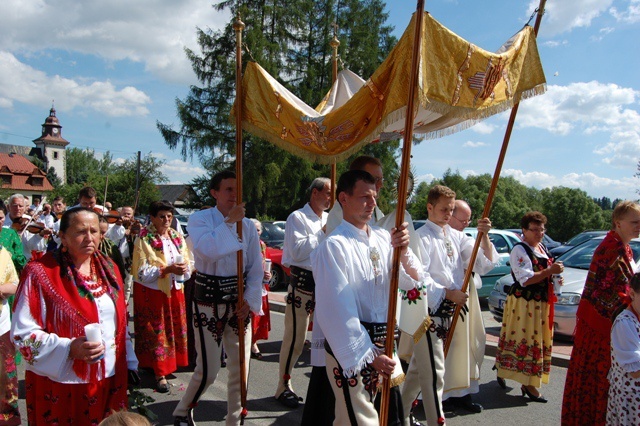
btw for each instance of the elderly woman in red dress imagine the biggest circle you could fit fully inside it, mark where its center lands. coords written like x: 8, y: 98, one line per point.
x: 67, y: 377
x: 612, y: 267
x: 160, y: 266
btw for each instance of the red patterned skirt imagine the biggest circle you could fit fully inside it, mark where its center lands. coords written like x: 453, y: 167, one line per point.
x: 50, y: 402
x: 9, y: 413
x: 161, y: 329
x: 586, y: 389
x: 261, y: 324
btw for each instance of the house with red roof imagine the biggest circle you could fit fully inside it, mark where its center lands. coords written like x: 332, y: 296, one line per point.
x: 20, y: 175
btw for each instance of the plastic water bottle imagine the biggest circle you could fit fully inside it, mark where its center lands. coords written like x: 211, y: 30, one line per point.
x: 179, y: 278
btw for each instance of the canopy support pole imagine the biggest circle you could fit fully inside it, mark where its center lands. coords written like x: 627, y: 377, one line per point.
x: 334, y: 43
x: 238, y: 26
x: 492, y: 190
x: 402, y: 203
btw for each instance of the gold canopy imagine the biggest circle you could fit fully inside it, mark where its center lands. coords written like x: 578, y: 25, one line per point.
x: 459, y: 84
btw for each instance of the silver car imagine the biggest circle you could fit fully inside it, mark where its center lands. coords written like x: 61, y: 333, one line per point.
x: 576, y: 266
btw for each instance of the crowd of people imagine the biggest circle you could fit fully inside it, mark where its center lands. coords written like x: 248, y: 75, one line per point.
x: 68, y: 274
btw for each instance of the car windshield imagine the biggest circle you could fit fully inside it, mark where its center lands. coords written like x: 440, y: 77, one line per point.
x: 580, y: 257
x: 271, y: 231
x: 580, y: 238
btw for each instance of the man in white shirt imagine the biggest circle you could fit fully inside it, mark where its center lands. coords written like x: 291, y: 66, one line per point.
x: 87, y: 199
x: 213, y: 233
x: 445, y: 256
x: 352, y: 269
x: 302, y: 234
x: 30, y: 242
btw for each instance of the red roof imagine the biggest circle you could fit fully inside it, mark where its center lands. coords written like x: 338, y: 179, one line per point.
x: 24, y: 173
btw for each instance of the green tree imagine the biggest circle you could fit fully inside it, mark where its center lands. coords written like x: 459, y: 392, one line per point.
x: 290, y: 39
x: 570, y: 211
x: 84, y: 169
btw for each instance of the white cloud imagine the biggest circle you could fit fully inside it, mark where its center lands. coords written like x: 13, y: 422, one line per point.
x: 591, y: 107
x: 153, y: 32
x: 471, y: 144
x: 602, y: 33
x: 555, y: 43
x: 483, y: 128
x: 629, y: 16
x: 595, y: 186
x: 565, y: 15
x: 22, y: 83
x: 178, y: 171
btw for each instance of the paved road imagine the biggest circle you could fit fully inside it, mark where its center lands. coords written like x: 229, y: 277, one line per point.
x: 501, y: 408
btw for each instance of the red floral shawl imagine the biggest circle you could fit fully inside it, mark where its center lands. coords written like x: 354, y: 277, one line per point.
x: 609, y: 275
x: 70, y: 306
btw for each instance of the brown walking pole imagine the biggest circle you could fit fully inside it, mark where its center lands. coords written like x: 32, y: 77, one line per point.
x: 402, y: 203
x: 238, y: 26
x: 492, y: 190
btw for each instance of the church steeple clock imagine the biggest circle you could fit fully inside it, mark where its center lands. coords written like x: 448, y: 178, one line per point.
x: 52, y: 146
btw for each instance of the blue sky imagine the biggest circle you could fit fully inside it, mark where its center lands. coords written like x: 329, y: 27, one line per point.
x: 115, y: 67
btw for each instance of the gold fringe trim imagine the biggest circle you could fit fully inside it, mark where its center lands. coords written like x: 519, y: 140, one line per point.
x: 397, y: 381
x: 424, y: 327
x: 470, y: 117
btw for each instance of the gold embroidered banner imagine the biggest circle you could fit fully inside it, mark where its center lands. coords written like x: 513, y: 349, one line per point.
x: 459, y: 85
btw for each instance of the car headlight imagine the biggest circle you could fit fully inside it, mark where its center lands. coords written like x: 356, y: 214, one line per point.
x: 568, y: 299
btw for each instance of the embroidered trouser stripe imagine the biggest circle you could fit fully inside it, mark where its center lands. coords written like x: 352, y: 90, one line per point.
x: 354, y: 403
x: 296, y: 321
x: 426, y: 374
x: 209, y: 348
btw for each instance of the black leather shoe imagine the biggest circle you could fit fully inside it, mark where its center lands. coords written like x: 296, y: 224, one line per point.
x: 448, y: 405
x: 413, y: 421
x: 466, y: 403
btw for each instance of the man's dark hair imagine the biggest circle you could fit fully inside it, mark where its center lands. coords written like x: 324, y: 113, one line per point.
x: 219, y: 177
x: 348, y: 181
x: 58, y: 198
x: 159, y: 206
x: 87, y: 192
x: 361, y: 162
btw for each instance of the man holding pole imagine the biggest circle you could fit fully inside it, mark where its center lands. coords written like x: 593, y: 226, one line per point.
x: 352, y: 269
x: 216, y: 308
x: 303, y: 232
x: 446, y: 254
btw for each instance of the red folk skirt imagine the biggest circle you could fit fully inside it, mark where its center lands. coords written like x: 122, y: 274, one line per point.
x: 9, y: 413
x: 160, y: 325
x: 50, y: 402
x: 261, y: 324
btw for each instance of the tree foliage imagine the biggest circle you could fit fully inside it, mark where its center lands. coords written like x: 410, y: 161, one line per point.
x: 569, y: 211
x: 290, y: 39
x: 85, y: 169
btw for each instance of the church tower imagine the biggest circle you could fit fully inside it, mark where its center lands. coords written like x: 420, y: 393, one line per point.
x: 52, y: 146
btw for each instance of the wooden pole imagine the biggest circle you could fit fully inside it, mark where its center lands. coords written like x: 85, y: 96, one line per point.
x: 334, y: 43
x: 238, y: 26
x: 402, y: 203
x: 492, y: 190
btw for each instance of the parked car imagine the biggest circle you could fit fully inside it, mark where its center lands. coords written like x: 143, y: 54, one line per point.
x: 576, y: 240
x: 280, y: 274
x: 548, y: 242
x: 183, y: 219
x: 503, y: 241
x: 272, y: 234
x: 576, y: 267
x: 418, y: 223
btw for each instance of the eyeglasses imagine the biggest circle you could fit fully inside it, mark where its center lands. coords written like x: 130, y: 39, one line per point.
x: 464, y: 221
x: 537, y: 230
x: 378, y: 180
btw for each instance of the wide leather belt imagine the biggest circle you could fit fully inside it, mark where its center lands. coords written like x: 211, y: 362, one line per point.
x: 302, y: 279
x: 211, y: 289
x: 377, y: 331
x: 445, y: 310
